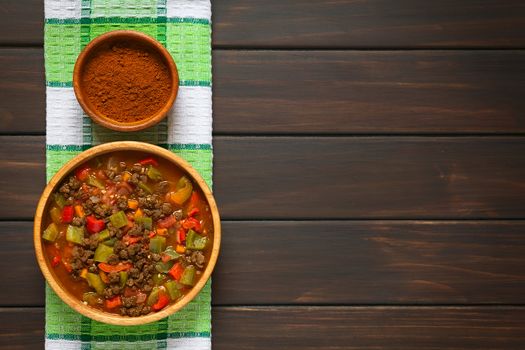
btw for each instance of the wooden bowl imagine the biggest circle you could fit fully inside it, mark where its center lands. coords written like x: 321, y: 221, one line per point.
x: 43, y: 204
x: 106, y: 42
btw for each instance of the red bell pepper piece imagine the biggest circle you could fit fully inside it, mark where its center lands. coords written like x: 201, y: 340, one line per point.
x: 141, y: 297
x: 125, y: 185
x: 152, y: 234
x: 194, y: 199
x: 101, y: 175
x: 192, y: 223
x: 181, y: 235
x: 165, y: 258
x: 149, y: 161
x: 82, y: 173
x: 56, y: 261
x: 127, y: 239
x: 94, y: 225
x: 113, y: 302
x: 67, y: 214
x: 193, y: 212
x: 167, y: 222
x: 114, y: 268
x: 176, y: 271
x: 161, y: 302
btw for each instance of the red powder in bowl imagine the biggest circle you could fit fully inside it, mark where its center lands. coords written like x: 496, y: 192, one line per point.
x: 126, y: 83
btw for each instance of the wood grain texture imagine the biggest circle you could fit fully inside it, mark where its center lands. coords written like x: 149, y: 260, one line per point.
x: 333, y: 262
x: 25, y: 286
x: 22, y: 90
x: 372, y: 262
x: 316, y: 92
x: 338, y: 92
x: 337, y: 328
x: 329, y: 177
x: 324, y: 23
x: 369, y: 177
x: 21, y: 22
x: 368, y: 328
x: 22, y: 328
x: 22, y: 178
x: 369, y: 24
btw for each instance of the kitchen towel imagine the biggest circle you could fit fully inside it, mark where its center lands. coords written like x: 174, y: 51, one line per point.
x: 184, y: 28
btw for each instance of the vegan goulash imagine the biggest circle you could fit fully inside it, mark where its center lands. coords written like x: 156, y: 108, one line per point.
x: 128, y: 234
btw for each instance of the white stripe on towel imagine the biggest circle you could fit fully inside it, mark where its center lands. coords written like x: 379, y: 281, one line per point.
x: 63, y: 9
x: 64, y: 117
x: 189, y: 8
x: 190, y: 119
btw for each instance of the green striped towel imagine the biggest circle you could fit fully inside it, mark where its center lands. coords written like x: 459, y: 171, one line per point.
x: 184, y: 28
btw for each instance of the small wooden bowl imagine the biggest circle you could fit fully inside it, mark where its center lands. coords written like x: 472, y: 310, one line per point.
x: 43, y: 205
x: 105, y: 42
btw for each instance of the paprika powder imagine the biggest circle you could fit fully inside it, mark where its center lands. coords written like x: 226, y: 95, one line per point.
x: 126, y: 82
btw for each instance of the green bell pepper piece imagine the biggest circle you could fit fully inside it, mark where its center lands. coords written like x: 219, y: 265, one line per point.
x: 123, y: 278
x: 171, y: 253
x: 157, y: 244
x: 60, y: 200
x: 188, y: 276
x: 154, y: 174
x: 102, y: 253
x: 153, y: 296
x: 92, y: 298
x: 119, y: 219
x: 110, y: 242
x: 145, y: 221
x: 103, y: 235
x: 75, y: 234
x: 164, y: 267
x: 174, y: 289
x: 93, y: 181
x: 145, y: 187
x: 95, y: 282
x: 195, y: 241
x: 56, y: 215
x: 98, y: 162
x: 51, y: 232
x: 158, y: 278
x: 183, y: 193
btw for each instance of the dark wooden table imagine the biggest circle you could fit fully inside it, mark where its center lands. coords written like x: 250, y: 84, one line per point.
x: 369, y: 165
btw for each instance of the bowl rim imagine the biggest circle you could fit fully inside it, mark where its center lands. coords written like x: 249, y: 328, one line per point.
x: 77, y: 304
x: 131, y: 35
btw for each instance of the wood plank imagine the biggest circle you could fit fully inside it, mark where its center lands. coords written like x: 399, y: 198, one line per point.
x: 21, y: 22
x: 361, y: 177
x: 368, y: 328
x: 333, y: 262
x: 22, y: 284
x: 370, y: 177
x: 324, y: 23
x: 369, y: 24
x: 334, y: 92
x: 341, y: 92
x: 22, y: 177
x: 22, y: 328
x: 336, y: 328
x: 371, y: 262
x: 22, y: 91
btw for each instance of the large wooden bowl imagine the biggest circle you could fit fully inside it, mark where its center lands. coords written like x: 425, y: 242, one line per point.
x: 43, y: 204
x: 105, y: 42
